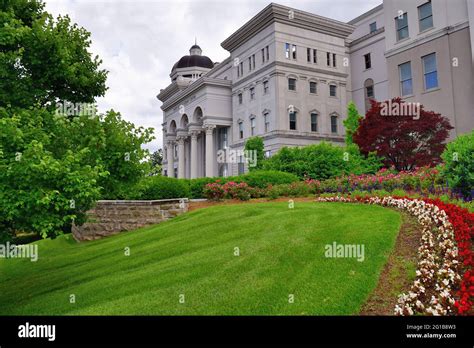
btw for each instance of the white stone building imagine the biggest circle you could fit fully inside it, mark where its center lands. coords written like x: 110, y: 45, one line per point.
x: 290, y: 75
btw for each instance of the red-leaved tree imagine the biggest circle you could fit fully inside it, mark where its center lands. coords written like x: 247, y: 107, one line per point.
x: 404, y: 134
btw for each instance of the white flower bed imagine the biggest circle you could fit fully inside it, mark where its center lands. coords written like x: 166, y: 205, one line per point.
x: 437, y: 270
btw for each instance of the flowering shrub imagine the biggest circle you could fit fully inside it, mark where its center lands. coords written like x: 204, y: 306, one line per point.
x: 231, y: 189
x: 445, y: 253
x: 214, y: 191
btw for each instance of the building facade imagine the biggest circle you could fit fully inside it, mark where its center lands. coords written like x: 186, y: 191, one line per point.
x: 290, y: 75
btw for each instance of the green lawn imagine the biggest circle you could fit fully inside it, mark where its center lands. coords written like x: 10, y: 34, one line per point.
x: 281, y: 253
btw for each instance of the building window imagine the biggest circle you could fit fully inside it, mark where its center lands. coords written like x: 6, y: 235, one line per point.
x: 241, y: 69
x: 240, y: 98
x: 267, y: 154
x: 166, y: 173
x: 430, y: 71
x: 238, y: 71
x: 334, y: 60
x: 263, y: 55
x: 328, y: 59
x: 334, y: 124
x: 373, y: 27
x: 268, y: 53
x: 287, y: 51
x: 222, y: 139
x: 176, y: 151
x: 406, y: 82
x: 308, y: 55
x: 253, y: 61
x: 425, y: 13
x: 252, y: 93
x: 292, y: 120
x: 293, y: 51
x: 265, y: 87
x: 176, y: 172
x: 368, y: 61
x: 252, y: 126
x: 241, y: 130
x: 312, y: 87
x: 241, y: 167
x: 250, y: 63
x: 292, y: 84
x: 332, y: 91
x: 315, y: 56
x: 369, y: 92
x: 402, y: 26
x: 266, y: 119
x: 314, y: 122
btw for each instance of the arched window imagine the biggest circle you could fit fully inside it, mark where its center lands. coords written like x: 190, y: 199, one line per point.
x: 369, y: 93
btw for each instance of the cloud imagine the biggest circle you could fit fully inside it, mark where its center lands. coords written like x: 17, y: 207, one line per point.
x: 139, y: 41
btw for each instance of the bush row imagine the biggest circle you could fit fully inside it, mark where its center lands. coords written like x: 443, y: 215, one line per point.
x: 159, y: 187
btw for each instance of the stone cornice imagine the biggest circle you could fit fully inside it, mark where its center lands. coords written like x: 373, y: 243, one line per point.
x: 366, y: 37
x: 295, y: 135
x: 201, y: 82
x: 275, y: 13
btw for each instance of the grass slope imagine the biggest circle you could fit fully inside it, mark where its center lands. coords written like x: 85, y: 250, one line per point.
x: 281, y: 253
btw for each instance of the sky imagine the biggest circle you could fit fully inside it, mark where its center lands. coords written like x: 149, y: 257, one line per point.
x: 140, y: 40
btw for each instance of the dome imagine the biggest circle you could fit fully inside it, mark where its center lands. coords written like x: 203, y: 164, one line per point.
x: 194, y: 59
x: 191, y: 61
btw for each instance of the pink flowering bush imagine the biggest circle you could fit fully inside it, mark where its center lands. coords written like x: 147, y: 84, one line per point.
x: 231, y: 190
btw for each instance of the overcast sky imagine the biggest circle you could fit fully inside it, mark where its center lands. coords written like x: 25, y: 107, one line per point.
x: 140, y: 40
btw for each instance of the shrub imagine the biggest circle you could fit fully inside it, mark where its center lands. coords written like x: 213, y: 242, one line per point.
x: 235, y: 190
x: 322, y: 161
x: 263, y: 178
x: 214, y: 191
x: 459, y: 164
x: 196, y: 186
x: 161, y: 187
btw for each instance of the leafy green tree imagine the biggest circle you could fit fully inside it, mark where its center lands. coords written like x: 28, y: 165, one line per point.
x: 41, y: 191
x: 458, y: 158
x: 156, y: 162
x: 351, y: 123
x: 256, y: 144
x: 44, y: 61
x: 54, y: 166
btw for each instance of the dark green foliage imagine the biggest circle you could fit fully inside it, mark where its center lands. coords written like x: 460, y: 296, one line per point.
x: 161, y: 187
x: 322, y: 161
x: 255, y: 144
x: 459, y: 164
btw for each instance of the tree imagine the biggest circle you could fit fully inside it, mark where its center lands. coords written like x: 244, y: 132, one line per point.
x: 255, y: 145
x: 404, y: 134
x: 352, y: 122
x: 45, y: 61
x: 54, y: 166
x: 156, y: 162
x: 40, y: 190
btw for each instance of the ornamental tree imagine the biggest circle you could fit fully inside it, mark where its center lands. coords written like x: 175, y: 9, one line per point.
x: 255, y: 144
x: 352, y: 122
x: 404, y: 134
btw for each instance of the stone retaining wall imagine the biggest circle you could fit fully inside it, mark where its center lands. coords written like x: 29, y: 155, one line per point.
x: 112, y: 217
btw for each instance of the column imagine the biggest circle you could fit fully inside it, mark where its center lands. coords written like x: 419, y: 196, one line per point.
x: 194, y: 164
x: 181, y: 169
x: 170, y: 159
x: 209, y: 150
